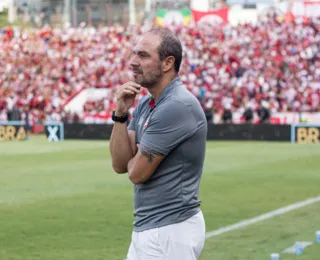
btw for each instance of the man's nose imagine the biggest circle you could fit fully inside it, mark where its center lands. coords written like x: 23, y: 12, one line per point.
x: 134, y: 61
x: 133, y: 64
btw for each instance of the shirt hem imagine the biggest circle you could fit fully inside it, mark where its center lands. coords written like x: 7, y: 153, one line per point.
x: 166, y: 223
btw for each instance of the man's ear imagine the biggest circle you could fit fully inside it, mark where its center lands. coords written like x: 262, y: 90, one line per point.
x: 168, y: 63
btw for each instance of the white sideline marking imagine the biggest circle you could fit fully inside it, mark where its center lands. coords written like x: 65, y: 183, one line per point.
x: 262, y: 217
x: 292, y: 249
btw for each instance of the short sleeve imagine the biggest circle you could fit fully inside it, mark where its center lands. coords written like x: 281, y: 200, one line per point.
x: 168, y: 127
x: 132, y: 124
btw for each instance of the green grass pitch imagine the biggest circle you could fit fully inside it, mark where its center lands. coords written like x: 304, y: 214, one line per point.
x: 62, y: 201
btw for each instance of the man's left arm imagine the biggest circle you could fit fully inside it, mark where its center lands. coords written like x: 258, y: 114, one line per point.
x: 168, y: 127
x: 143, y: 164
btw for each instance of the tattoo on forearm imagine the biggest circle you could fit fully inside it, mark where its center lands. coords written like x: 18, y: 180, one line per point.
x: 150, y: 154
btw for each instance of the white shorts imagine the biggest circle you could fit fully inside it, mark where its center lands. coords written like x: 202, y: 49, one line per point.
x: 181, y: 241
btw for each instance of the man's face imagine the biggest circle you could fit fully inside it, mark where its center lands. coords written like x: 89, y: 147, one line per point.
x: 145, y: 61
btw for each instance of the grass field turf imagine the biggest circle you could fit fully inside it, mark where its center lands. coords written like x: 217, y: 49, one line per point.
x: 63, y: 201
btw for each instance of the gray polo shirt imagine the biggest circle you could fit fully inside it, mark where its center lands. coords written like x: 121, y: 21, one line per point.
x: 177, y: 128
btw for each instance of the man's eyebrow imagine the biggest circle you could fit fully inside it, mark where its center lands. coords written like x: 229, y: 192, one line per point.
x: 141, y: 52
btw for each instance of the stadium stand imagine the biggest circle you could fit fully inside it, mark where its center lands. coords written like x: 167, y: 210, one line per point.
x: 272, y: 66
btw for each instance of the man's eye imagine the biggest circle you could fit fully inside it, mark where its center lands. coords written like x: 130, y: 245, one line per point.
x: 143, y: 55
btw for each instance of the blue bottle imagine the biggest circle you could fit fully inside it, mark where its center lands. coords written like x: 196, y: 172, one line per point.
x: 299, y: 249
x: 318, y: 237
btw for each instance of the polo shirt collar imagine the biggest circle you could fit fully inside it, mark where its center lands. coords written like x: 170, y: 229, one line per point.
x: 175, y: 82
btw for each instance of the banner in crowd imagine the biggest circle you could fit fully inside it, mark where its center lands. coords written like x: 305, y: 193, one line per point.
x: 212, y: 17
x: 280, y: 118
x: 167, y: 17
x: 100, y: 118
x: 248, y: 2
x: 311, y: 8
x: 299, y: 9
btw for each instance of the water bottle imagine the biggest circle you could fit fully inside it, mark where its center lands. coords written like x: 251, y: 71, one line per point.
x: 275, y: 256
x: 318, y: 236
x: 299, y: 249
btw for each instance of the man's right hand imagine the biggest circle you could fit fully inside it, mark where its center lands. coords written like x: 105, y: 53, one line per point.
x: 125, y: 97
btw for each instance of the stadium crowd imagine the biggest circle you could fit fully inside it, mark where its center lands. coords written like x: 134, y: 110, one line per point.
x: 271, y: 65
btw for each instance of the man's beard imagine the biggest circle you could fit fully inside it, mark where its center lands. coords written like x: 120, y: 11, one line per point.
x: 149, y: 79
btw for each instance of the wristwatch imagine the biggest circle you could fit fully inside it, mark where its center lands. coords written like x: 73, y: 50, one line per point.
x: 120, y: 119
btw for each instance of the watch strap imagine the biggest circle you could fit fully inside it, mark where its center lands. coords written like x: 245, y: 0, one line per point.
x: 120, y: 119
